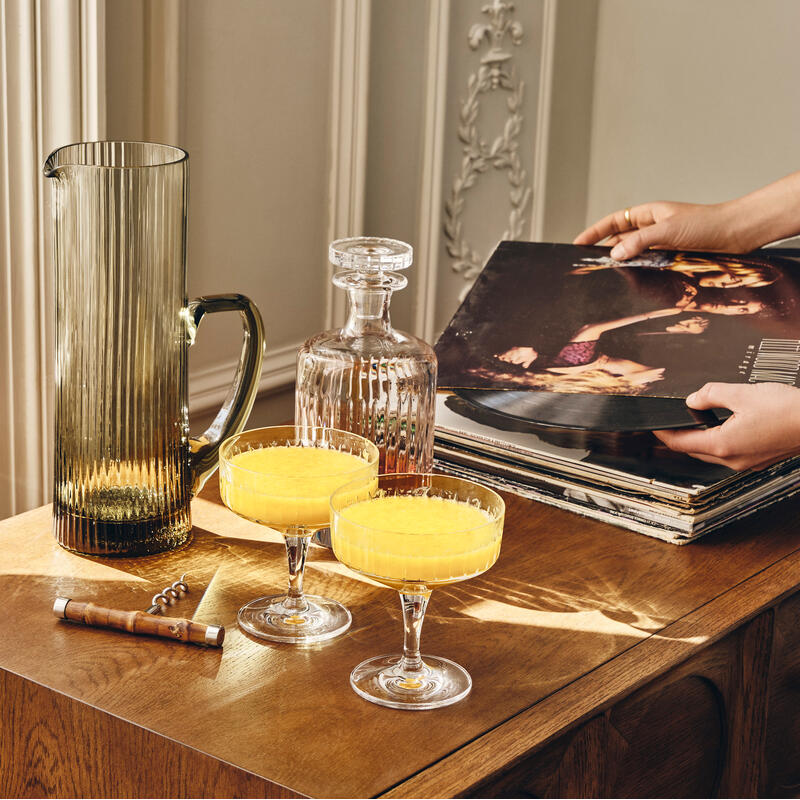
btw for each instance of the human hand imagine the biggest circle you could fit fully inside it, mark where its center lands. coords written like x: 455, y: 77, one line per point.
x: 695, y: 325
x: 764, y: 427
x: 524, y: 356
x: 646, y: 376
x: 670, y: 226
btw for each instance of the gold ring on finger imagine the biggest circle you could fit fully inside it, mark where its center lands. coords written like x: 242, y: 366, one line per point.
x: 627, y: 215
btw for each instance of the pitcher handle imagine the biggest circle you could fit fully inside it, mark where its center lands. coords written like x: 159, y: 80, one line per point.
x: 236, y: 408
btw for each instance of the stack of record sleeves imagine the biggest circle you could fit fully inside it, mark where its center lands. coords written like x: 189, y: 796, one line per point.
x: 626, y: 479
x: 561, y: 361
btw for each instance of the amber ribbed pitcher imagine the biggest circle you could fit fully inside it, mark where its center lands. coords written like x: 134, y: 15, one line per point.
x: 125, y: 467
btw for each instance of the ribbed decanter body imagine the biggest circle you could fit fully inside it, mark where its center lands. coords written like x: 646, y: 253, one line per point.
x: 367, y: 377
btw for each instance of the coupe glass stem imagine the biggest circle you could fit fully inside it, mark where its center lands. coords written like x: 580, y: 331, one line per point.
x: 297, y: 541
x: 414, y: 605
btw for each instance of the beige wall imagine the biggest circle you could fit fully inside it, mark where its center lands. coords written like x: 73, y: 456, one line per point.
x: 251, y: 89
x: 693, y: 100
x: 248, y: 96
x: 255, y: 122
x: 569, y: 127
x: 395, y: 133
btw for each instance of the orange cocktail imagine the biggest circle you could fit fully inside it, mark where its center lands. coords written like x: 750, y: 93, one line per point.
x: 407, y: 539
x: 283, y: 477
x: 414, y: 533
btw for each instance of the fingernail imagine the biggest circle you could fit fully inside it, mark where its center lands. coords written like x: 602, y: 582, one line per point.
x: 617, y: 251
x: 691, y: 398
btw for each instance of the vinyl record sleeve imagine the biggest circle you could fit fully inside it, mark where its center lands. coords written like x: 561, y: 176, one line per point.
x: 636, y: 461
x: 635, y: 464
x: 612, y: 514
x: 686, y: 518
x: 560, y: 320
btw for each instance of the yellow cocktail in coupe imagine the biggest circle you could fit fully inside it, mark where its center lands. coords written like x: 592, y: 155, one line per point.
x: 283, y: 477
x: 413, y: 533
x: 289, y: 485
x: 415, y: 539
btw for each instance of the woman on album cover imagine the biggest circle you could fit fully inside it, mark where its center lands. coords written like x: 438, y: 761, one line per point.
x: 608, y: 357
x: 765, y: 424
x: 580, y: 366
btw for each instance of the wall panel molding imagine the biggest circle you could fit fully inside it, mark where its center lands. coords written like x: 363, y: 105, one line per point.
x: 348, y: 130
x: 18, y: 220
x: 209, y: 386
x: 164, y: 70
x: 543, y: 113
x: 495, y: 94
x: 93, y: 69
x: 497, y: 36
x: 430, y: 198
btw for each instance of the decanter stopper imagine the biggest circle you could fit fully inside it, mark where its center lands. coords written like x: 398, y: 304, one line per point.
x: 370, y: 254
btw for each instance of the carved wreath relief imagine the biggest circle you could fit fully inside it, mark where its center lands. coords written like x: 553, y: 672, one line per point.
x: 494, y: 74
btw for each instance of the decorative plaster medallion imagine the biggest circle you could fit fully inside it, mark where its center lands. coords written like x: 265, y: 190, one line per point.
x: 494, y: 74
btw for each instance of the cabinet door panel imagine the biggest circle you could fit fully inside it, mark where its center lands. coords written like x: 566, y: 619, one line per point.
x: 783, y: 718
x: 698, y: 730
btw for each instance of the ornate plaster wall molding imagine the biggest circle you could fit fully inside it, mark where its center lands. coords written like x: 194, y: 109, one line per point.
x: 495, y: 73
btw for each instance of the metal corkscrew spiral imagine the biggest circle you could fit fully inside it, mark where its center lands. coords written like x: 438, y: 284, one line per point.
x: 168, y: 595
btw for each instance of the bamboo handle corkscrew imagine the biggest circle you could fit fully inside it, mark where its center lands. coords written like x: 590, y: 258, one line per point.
x: 139, y: 622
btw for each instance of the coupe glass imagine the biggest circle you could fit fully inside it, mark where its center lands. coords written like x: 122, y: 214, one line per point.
x: 283, y: 477
x: 413, y: 533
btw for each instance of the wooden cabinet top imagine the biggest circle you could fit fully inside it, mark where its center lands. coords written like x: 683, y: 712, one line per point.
x: 574, y: 614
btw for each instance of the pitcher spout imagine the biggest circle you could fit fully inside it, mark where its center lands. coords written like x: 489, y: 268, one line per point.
x: 52, y: 163
x: 69, y: 155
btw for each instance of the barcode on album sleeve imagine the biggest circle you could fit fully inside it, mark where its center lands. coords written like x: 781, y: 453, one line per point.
x: 777, y: 361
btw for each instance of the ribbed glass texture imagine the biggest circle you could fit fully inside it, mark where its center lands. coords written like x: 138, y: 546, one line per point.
x: 367, y: 377
x: 388, y: 400
x: 121, y: 430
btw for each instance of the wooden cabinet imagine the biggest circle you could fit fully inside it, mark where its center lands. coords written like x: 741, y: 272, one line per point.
x: 696, y: 731
x: 605, y: 664
x: 726, y: 723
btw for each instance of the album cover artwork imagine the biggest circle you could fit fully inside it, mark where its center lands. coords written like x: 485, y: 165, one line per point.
x: 567, y: 319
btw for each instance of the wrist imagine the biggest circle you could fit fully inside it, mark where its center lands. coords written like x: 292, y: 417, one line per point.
x: 747, y: 223
x: 766, y: 215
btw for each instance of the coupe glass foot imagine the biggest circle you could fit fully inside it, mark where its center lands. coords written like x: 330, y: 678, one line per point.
x: 440, y: 683
x: 269, y: 618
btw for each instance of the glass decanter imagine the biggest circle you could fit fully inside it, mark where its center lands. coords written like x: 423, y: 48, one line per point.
x: 367, y: 377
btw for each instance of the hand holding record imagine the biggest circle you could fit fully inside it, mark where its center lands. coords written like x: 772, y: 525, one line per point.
x: 736, y: 226
x: 764, y: 427
x: 665, y: 226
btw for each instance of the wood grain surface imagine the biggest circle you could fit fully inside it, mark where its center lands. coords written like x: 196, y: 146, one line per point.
x: 681, y: 735
x: 50, y: 758
x: 575, y: 615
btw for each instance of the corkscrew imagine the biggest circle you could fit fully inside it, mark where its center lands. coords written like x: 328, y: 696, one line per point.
x: 168, y: 595
x: 142, y: 622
